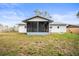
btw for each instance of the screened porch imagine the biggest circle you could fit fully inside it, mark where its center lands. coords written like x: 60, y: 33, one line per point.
x: 37, y: 26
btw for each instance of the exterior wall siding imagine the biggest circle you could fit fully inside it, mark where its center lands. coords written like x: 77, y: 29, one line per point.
x: 55, y: 29
x: 22, y: 29
x: 52, y: 29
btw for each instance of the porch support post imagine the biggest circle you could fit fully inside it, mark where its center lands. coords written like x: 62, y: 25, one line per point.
x: 37, y: 26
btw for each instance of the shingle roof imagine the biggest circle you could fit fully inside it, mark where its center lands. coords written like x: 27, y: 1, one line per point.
x: 58, y: 23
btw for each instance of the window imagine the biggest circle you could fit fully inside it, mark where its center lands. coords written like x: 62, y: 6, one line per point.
x: 58, y: 27
x: 50, y: 26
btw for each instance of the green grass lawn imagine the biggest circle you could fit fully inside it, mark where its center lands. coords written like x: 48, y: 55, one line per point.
x: 15, y: 44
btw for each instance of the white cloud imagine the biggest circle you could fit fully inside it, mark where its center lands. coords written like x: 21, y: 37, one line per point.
x: 69, y: 18
x: 11, y: 17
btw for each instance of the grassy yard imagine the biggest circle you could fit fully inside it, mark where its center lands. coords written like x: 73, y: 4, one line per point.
x: 48, y: 45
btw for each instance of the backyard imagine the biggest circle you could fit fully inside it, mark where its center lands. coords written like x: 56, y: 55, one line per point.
x: 16, y: 44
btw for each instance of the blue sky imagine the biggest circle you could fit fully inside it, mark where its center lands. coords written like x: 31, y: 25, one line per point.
x: 12, y: 14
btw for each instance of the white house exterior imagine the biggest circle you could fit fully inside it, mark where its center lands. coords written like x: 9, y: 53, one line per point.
x: 22, y: 28
x: 56, y: 27
x: 40, y: 25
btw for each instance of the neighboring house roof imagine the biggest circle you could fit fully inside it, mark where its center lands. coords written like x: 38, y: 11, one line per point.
x: 35, y: 17
x: 73, y: 26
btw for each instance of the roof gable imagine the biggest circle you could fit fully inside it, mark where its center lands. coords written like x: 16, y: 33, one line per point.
x: 40, y: 18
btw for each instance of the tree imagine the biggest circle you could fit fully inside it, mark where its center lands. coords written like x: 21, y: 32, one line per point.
x: 46, y: 14
x: 77, y: 14
x: 38, y: 12
x: 42, y: 13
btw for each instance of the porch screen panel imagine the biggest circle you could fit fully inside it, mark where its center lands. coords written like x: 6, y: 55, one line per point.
x: 43, y: 27
x: 32, y: 27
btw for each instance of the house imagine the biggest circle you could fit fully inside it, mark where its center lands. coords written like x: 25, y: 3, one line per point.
x: 22, y: 27
x: 39, y: 25
x: 73, y: 29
